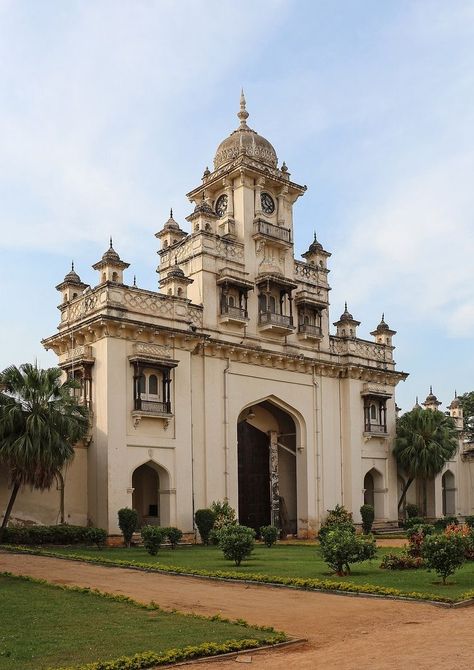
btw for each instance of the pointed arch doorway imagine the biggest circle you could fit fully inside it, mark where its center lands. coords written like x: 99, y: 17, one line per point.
x: 267, y: 490
x: 150, y: 483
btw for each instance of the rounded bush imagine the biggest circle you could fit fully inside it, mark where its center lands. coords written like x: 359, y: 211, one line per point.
x: 341, y: 547
x: 444, y: 553
x: 152, y: 537
x: 269, y: 535
x: 237, y: 542
x: 411, y: 510
x: 174, y: 535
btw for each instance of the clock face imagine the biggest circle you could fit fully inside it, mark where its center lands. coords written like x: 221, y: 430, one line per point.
x: 221, y: 205
x: 268, y: 206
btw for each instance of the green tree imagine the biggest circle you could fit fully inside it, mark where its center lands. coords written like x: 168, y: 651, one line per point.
x: 40, y: 422
x: 467, y: 404
x: 425, y: 440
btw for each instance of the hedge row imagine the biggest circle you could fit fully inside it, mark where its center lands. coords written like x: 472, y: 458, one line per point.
x: 307, y: 583
x: 62, y: 534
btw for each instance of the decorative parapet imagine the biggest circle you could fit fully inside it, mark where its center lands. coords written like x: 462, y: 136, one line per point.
x: 372, y: 354
x: 152, y: 350
x: 222, y: 247
x: 371, y: 389
x: 122, y: 299
x: 310, y: 273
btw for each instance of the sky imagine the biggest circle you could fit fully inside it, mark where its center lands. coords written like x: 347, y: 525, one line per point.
x: 110, y: 111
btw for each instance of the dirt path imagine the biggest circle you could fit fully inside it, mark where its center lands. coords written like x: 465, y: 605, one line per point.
x: 344, y: 633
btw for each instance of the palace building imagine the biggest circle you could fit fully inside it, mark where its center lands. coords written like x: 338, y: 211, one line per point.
x: 227, y: 383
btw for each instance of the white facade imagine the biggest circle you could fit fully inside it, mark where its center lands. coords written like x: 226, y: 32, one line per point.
x: 227, y: 382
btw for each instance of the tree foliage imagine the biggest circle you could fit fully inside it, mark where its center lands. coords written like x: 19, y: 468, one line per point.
x: 444, y: 553
x: 237, y: 542
x: 341, y: 547
x: 425, y: 440
x: 128, y: 522
x: 40, y: 422
x: 467, y: 404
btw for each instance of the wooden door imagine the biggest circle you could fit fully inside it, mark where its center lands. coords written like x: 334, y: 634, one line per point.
x: 254, y: 476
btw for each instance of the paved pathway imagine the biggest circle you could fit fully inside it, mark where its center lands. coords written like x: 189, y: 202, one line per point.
x: 344, y: 633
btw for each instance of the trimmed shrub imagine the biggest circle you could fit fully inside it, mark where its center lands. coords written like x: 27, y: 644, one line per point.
x: 367, y: 513
x: 152, y: 537
x: 401, y: 561
x: 411, y: 510
x: 466, y: 533
x: 174, y: 535
x: 128, y: 522
x: 237, y: 542
x: 341, y: 547
x: 205, y: 519
x: 269, y: 535
x: 444, y: 554
x: 61, y: 534
x: 96, y: 536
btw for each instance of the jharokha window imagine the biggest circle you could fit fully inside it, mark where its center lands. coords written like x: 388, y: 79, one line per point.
x: 375, y: 415
x: 151, y: 387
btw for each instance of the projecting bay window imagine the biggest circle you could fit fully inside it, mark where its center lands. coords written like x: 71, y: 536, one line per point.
x: 233, y: 300
x: 275, y: 305
x: 309, y: 322
x: 375, y: 415
x: 82, y: 375
x: 152, y: 387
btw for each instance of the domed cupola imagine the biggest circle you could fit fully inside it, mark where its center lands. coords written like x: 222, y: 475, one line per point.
x: 347, y: 325
x: 245, y: 141
x: 431, y: 401
x: 71, y: 287
x: 175, y: 283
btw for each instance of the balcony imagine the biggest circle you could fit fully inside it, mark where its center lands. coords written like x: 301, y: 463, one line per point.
x: 153, y: 407
x: 310, y: 331
x: 231, y: 314
x: 264, y: 230
x: 277, y: 323
x: 375, y: 429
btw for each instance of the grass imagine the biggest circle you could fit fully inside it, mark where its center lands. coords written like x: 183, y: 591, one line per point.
x: 292, y: 561
x: 43, y: 626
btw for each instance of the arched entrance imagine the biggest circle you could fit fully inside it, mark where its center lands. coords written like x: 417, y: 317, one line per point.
x: 150, y: 483
x: 449, y: 493
x: 374, y: 492
x: 266, y: 438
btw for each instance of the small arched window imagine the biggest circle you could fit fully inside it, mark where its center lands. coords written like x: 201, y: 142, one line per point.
x: 180, y: 292
x: 74, y: 295
x: 231, y: 301
x: 142, y: 384
x: 373, y: 412
x: 104, y: 277
x: 272, y: 304
x: 114, y: 276
x: 153, y: 385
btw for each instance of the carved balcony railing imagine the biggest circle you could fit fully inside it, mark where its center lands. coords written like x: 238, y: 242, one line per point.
x: 233, y: 312
x: 152, y: 406
x: 270, y: 318
x: 270, y: 230
x: 310, y: 329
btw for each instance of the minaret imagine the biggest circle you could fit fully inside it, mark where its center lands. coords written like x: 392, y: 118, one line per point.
x: 383, y: 334
x: 171, y: 233
x: 316, y: 255
x: 71, y: 287
x: 175, y: 283
x: 456, y: 412
x: 111, y: 267
x: 417, y: 404
x: 347, y: 325
x: 431, y: 401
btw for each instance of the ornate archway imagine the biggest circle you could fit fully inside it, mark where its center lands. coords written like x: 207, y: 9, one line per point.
x: 374, y: 492
x: 267, y: 467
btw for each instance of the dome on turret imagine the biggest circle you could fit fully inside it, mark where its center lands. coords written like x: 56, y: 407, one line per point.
x: 176, y: 272
x: 171, y: 224
x: 111, y: 256
x: 245, y: 141
x: 346, y: 315
x: 72, y: 277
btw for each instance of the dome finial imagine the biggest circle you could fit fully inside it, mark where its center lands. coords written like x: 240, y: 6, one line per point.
x: 383, y: 316
x: 111, y: 241
x: 171, y: 212
x: 72, y: 266
x: 345, y: 306
x: 431, y: 389
x: 243, y: 115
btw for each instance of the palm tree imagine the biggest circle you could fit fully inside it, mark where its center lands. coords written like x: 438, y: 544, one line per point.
x: 40, y: 421
x: 425, y: 440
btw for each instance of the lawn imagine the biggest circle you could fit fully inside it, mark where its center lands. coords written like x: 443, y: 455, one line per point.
x: 292, y: 561
x: 43, y: 626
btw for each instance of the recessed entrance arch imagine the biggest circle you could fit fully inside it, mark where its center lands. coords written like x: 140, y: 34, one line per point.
x: 449, y: 493
x: 374, y: 492
x: 267, y: 467
x: 150, y: 497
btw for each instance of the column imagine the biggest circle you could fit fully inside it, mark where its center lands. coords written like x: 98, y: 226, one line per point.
x: 274, y: 480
